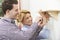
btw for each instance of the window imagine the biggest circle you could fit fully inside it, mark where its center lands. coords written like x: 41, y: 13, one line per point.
x: 1, y: 7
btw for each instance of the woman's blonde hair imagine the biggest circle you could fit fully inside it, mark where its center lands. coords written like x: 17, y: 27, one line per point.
x: 22, y: 15
x: 20, y: 18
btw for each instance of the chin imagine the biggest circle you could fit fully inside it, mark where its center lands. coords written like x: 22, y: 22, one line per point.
x: 30, y: 24
x: 13, y: 18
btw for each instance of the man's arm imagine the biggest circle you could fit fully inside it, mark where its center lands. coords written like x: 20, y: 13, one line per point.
x: 23, y: 35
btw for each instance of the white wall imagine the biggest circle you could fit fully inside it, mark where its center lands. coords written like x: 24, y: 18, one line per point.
x: 36, y: 5
x: 25, y: 4
x: 57, y: 28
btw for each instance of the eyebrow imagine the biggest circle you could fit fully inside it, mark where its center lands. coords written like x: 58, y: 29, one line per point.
x: 25, y: 12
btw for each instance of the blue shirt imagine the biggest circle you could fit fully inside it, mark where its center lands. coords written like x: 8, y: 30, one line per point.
x: 25, y: 27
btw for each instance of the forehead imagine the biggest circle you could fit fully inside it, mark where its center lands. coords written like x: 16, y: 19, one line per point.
x: 15, y: 6
x: 27, y: 15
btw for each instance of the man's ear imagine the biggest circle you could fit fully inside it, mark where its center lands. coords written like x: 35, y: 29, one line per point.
x: 7, y: 11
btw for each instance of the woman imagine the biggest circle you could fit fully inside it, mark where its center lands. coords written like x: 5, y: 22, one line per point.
x: 26, y: 19
x: 46, y: 33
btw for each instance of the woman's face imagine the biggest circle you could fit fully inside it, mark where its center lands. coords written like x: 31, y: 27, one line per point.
x: 27, y: 20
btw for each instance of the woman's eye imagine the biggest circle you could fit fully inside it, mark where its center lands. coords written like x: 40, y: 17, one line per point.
x: 27, y: 18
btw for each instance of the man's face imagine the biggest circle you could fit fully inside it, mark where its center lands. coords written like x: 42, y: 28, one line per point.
x: 27, y: 19
x: 14, y: 11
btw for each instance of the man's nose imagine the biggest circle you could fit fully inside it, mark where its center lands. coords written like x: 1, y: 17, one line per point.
x: 18, y: 13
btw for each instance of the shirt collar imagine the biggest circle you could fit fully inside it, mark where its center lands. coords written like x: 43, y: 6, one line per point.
x: 7, y: 19
x: 27, y: 26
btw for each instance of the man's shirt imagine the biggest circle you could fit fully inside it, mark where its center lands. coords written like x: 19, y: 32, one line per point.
x: 9, y: 31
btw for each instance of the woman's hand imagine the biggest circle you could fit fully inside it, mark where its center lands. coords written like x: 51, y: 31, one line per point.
x: 42, y: 21
x: 20, y: 25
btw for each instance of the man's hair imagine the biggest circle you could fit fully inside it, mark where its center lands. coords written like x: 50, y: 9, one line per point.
x: 8, y: 5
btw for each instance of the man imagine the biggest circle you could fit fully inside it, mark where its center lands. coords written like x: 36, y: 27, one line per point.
x: 8, y: 30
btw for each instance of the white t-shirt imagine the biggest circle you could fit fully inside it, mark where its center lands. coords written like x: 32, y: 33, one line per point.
x: 57, y: 28
x: 50, y: 26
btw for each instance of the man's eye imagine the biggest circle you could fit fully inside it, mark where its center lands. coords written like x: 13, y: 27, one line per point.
x: 16, y: 10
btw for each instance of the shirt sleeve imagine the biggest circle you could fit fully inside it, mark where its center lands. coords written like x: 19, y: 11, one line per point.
x: 4, y: 37
x: 17, y: 34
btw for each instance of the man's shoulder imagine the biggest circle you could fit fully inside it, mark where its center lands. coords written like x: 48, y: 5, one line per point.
x: 7, y: 25
x: 1, y: 21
